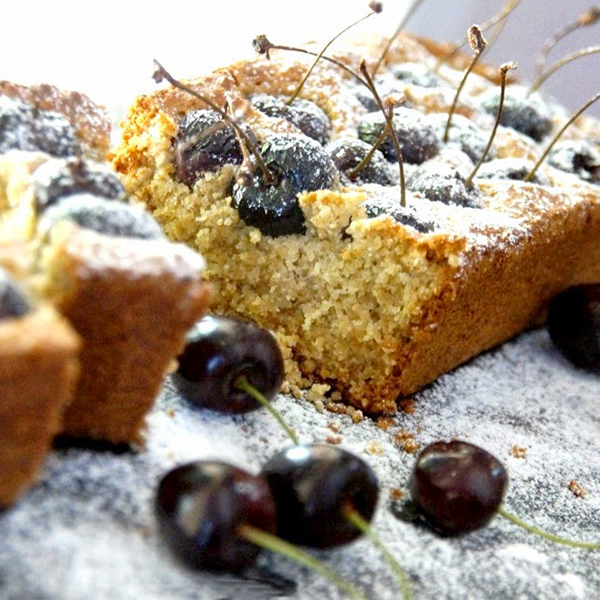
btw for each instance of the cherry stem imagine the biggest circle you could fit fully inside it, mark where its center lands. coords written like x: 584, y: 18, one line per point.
x: 548, y: 536
x: 561, y: 63
x: 503, y: 71
x: 355, y: 518
x: 161, y: 73
x: 589, y: 17
x: 533, y: 171
x: 243, y: 384
x: 478, y: 53
x: 319, y: 56
x: 367, y: 159
x: 388, y: 115
x: 407, y: 16
x: 275, y: 544
x: 495, y: 20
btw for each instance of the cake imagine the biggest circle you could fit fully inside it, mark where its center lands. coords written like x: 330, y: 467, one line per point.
x: 38, y: 374
x: 105, y: 266
x: 368, y: 298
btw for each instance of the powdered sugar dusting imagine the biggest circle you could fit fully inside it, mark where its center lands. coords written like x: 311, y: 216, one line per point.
x: 88, y: 526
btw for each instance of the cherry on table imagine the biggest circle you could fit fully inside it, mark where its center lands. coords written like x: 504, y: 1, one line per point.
x: 312, y: 487
x: 457, y: 486
x: 201, y: 506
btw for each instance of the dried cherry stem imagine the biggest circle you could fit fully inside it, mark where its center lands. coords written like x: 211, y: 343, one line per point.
x: 589, y: 17
x: 376, y: 8
x: 389, y: 125
x: 409, y: 13
x: 161, y: 73
x: 478, y: 45
x: 559, y: 134
x: 503, y: 71
x: 355, y: 518
x: 243, y: 384
x: 561, y: 63
x: 274, y: 544
x: 548, y: 536
x: 495, y: 20
x: 263, y: 45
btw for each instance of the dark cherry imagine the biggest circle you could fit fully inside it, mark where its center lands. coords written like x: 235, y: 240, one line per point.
x: 416, y: 74
x: 530, y: 116
x: 56, y: 179
x: 574, y: 325
x: 218, y: 352
x: 457, y: 486
x: 577, y: 156
x: 23, y: 129
x: 416, y: 135
x: 298, y: 164
x: 472, y: 140
x: 104, y: 216
x: 205, y: 142
x: 440, y: 182
x: 303, y: 114
x: 312, y: 485
x: 13, y: 302
x: 347, y: 153
x: 414, y: 214
x: 513, y: 169
x: 200, y: 508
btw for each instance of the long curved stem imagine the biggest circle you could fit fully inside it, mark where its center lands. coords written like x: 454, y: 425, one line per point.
x: 558, y: 136
x: 561, y: 63
x: 363, y: 526
x: 243, y: 384
x: 557, y: 539
x: 274, y: 544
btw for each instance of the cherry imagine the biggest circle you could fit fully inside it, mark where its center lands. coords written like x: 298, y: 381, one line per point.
x: 513, y: 169
x: 414, y: 214
x: 56, y: 179
x: 574, y: 325
x: 577, y: 156
x: 298, y: 164
x: 201, y: 508
x: 457, y: 486
x: 101, y: 215
x: 13, y: 302
x: 219, y: 352
x: 313, y: 487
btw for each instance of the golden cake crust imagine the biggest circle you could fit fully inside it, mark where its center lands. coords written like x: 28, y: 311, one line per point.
x: 366, y: 305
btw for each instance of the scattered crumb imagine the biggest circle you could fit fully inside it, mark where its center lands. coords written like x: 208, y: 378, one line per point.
x: 385, y: 423
x: 335, y: 427
x: 170, y: 412
x: 336, y: 407
x: 396, y: 494
x: 407, y: 406
x: 320, y: 405
x: 518, y: 452
x: 317, y: 392
x: 336, y: 396
x: 173, y: 366
x: 406, y: 441
x: 285, y: 388
x: 374, y: 448
x: 170, y: 455
x: 334, y: 439
x: 577, y: 489
x: 357, y: 416
x: 296, y: 392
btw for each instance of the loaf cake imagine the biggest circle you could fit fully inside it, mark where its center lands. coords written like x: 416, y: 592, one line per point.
x: 39, y: 366
x: 130, y: 294
x: 370, y: 299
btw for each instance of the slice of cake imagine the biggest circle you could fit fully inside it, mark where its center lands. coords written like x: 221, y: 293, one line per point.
x: 130, y: 294
x: 368, y: 297
x: 38, y: 373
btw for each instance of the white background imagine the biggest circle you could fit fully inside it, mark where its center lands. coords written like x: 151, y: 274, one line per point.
x: 105, y: 49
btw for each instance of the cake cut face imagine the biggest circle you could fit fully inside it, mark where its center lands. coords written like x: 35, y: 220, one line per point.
x: 105, y: 265
x: 369, y: 297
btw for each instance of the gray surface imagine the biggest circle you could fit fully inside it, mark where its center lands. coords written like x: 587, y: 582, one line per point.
x: 87, y: 529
